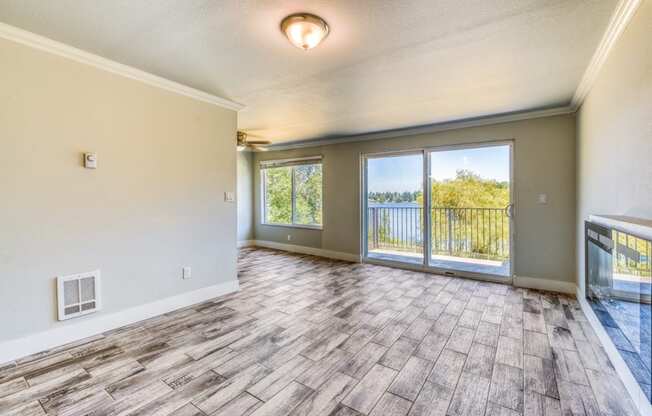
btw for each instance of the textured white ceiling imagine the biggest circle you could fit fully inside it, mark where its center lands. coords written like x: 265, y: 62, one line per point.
x: 386, y: 64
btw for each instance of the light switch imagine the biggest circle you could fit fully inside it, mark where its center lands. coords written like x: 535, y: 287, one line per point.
x: 229, y: 197
x: 186, y: 273
x: 542, y: 199
x: 90, y: 160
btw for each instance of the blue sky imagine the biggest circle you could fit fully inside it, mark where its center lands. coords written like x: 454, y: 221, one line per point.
x: 403, y: 173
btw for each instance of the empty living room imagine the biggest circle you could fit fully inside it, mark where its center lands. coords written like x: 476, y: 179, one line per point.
x: 326, y: 208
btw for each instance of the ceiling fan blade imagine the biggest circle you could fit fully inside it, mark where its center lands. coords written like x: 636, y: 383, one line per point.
x: 258, y: 141
x: 243, y: 141
x: 251, y: 134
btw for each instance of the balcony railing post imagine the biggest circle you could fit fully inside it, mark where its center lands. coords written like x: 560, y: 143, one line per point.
x: 450, y: 230
x: 376, y: 223
x: 372, y: 220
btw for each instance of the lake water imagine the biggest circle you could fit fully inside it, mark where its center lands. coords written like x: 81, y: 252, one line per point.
x: 401, y: 220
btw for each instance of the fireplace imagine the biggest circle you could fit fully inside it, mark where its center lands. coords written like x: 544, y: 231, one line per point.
x: 618, y: 289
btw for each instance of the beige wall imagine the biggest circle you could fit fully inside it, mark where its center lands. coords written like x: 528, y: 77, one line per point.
x: 544, y: 162
x: 614, y: 131
x: 245, y: 196
x: 154, y: 205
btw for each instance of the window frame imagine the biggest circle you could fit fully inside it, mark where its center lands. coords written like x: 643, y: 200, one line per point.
x: 292, y: 164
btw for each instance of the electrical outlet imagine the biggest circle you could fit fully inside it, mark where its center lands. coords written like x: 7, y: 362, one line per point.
x: 289, y: 237
x: 187, y: 273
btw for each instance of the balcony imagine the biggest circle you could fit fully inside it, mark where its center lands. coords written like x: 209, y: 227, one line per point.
x: 468, y: 239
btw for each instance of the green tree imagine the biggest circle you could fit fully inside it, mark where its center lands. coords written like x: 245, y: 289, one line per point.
x: 469, y: 190
x: 390, y: 197
x: 476, y: 232
x: 307, y: 195
x: 278, y: 195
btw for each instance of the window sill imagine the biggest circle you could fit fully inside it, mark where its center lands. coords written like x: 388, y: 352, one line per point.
x: 308, y: 227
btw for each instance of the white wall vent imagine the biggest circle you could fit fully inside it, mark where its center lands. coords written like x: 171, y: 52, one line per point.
x: 78, y: 294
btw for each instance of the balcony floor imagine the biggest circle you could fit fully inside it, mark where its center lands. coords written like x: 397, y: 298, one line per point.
x: 463, y: 264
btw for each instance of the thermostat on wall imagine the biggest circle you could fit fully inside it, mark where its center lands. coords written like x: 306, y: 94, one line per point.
x: 90, y: 160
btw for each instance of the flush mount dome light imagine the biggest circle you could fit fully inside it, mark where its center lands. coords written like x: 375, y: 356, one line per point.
x: 304, y: 30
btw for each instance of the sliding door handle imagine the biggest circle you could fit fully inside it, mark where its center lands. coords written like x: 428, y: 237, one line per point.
x: 509, y: 211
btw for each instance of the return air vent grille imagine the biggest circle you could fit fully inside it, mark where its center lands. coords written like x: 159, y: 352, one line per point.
x: 78, y: 294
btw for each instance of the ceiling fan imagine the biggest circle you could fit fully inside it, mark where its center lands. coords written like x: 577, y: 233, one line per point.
x: 245, y: 142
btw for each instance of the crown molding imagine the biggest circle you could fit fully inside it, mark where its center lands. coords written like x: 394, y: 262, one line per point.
x: 619, y: 20
x: 57, y: 48
x: 429, y: 128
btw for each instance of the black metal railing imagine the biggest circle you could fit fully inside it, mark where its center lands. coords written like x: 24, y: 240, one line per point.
x: 461, y: 232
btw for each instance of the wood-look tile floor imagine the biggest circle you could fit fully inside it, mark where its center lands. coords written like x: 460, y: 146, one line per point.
x: 309, y: 336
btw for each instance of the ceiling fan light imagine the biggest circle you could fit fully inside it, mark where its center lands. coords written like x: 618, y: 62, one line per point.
x: 304, y: 30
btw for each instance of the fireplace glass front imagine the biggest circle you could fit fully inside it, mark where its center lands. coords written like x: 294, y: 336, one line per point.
x: 619, y: 277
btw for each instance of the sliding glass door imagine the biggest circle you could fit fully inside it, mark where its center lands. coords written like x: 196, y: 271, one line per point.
x: 458, y: 219
x: 470, y: 206
x: 394, y: 207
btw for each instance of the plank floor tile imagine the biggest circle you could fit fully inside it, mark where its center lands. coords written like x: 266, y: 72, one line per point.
x: 507, y: 387
x: 367, y: 393
x: 391, y: 405
x: 447, y: 369
x: 539, y: 376
x: 470, y: 396
x: 359, y: 365
x: 418, y: 329
x: 327, y: 398
x: 480, y: 360
x: 285, y: 401
x: 509, y: 352
x: 243, y: 405
x: 399, y: 353
x: 410, y: 379
x: 540, y: 405
x: 311, y: 336
x: 487, y: 333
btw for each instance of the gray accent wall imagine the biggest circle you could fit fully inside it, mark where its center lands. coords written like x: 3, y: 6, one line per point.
x: 544, y: 162
x: 154, y: 204
x: 614, y: 133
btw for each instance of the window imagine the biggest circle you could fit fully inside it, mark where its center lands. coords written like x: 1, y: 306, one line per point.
x: 292, y: 192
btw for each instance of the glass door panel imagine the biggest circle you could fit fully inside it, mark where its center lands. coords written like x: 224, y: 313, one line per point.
x: 470, y: 209
x: 394, y: 208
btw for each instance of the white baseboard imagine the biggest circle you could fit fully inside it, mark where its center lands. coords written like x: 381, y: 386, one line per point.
x: 519, y: 281
x: 545, y: 284
x: 74, y: 331
x: 246, y: 243
x: 634, y: 390
x: 337, y: 255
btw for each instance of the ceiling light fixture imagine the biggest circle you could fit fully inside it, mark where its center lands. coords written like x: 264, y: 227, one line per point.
x: 304, y: 30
